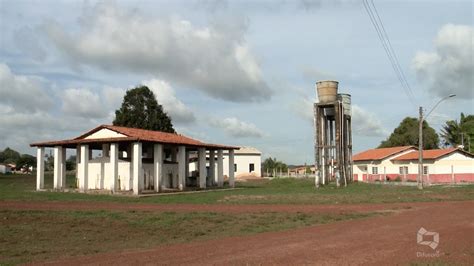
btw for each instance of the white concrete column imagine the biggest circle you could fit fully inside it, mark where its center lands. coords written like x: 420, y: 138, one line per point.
x: 202, y: 167
x: 114, y: 151
x: 137, y: 168
x: 105, y: 150
x: 158, y: 165
x: 40, y: 168
x: 231, y: 168
x: 57, y: 167
x: 78, y: 161
x: 181, y: 167
x: 84, y: 168
x: 186, y: 159
x: 63, y: 168
x: 220, y: 168
x: 212, y: 167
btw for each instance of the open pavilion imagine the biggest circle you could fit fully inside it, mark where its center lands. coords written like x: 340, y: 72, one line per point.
x: 136, y: 160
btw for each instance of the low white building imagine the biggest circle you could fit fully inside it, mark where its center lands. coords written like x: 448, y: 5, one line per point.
x: 136, y: 159
x: 401, y: 163
x: 5, y: 169
x: 247, y: 163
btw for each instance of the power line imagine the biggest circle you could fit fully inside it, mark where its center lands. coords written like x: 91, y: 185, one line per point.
x: 392, y: 50
x: 386, y: 44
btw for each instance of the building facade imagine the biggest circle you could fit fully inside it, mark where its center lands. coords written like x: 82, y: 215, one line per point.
x: 401, y: 164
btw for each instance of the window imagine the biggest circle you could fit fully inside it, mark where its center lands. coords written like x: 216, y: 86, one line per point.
x: 403, y: 170
x: 425, y: 169
x: 375, y: 170
x: 251, y: 167
x: 235, y: 167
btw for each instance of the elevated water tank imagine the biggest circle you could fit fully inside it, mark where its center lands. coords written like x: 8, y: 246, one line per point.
x: 327, y: 90
x: 346, y: 102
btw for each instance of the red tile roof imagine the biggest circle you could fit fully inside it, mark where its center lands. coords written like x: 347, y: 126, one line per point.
x: 379, y: 154
x: 135, y: 134
x: 429, y: 154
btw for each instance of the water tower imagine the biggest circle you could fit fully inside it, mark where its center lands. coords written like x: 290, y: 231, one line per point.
x: 333, y: 135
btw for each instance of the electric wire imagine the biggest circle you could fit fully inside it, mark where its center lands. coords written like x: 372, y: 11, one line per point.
x: 385, y: 41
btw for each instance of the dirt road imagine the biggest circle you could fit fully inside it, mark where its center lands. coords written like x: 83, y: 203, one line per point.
x: 381, y: 240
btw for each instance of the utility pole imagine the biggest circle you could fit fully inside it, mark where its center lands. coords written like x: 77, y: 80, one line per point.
x: 420, y: 151
x: 420, y: 140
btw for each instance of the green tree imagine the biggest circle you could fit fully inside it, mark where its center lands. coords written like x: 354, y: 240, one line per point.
x: 270, y: 165
x: 406, y: 134
x: 9, y: 156
x: 455, y: 133
x: 71, y: 163
x: 140, y: 109
x: 25, y: 161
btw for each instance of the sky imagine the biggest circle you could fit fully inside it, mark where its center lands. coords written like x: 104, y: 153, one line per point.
x: 230, y: 72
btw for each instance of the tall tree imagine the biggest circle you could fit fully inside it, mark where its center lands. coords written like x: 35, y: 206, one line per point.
x: 455, y: 133
x: 406, y: 134
x: 9, y: 156
x: 140, y: 109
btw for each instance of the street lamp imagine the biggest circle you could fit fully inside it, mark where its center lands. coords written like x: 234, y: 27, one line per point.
x: 420, y: 140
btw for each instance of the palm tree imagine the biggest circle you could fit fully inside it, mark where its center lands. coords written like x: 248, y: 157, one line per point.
x: 455, y: 133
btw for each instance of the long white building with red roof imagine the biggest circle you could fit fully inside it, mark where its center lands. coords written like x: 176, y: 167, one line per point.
x: 401, y: 163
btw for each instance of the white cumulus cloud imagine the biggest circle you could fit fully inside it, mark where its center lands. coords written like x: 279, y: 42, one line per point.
x: 449, y: 68
x: 214, y: 59
x: 22, y: 93
x: 83, y: 103
x: 236, y: 128
x: 165, y: 96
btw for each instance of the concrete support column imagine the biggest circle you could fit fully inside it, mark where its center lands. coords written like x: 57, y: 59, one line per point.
x: 40, y: 168
x: 62, y: 183
x: 231, y: 168
x: 78, y: 161
x: 84, y: 168
x: 57, y: 167
x: 158, y: 165
x: 137, y: 168
x: 105, y: 150
x: 220, y: 168
x: 114, y: 151
x: 212, y: 168
x: 202, y: 167
x: 187, y: 163
x: 181, y: 167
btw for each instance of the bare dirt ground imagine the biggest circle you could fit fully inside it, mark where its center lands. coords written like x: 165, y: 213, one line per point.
x: 227, y: 208
x: 380, y: 240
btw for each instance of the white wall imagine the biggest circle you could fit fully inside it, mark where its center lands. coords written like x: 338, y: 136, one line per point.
x: 101, y: 166
x: 104, y: 134
x: 243, y: 161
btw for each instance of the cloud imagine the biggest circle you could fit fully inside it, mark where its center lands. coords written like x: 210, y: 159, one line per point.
x: 22, y: 93
x: 83, y: 103
x: 236, y: 128
x: 315, y: 75
x: 450, y: 68
x: 213, y: 59
x: 165, y: 96
x: 365, y: 123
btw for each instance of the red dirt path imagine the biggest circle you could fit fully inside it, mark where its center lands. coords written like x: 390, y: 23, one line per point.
x: 380, y: 240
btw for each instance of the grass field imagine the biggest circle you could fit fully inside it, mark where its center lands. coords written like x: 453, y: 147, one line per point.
x: 27, y: 235
x: 277, y: 191
x: 45, y: 235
